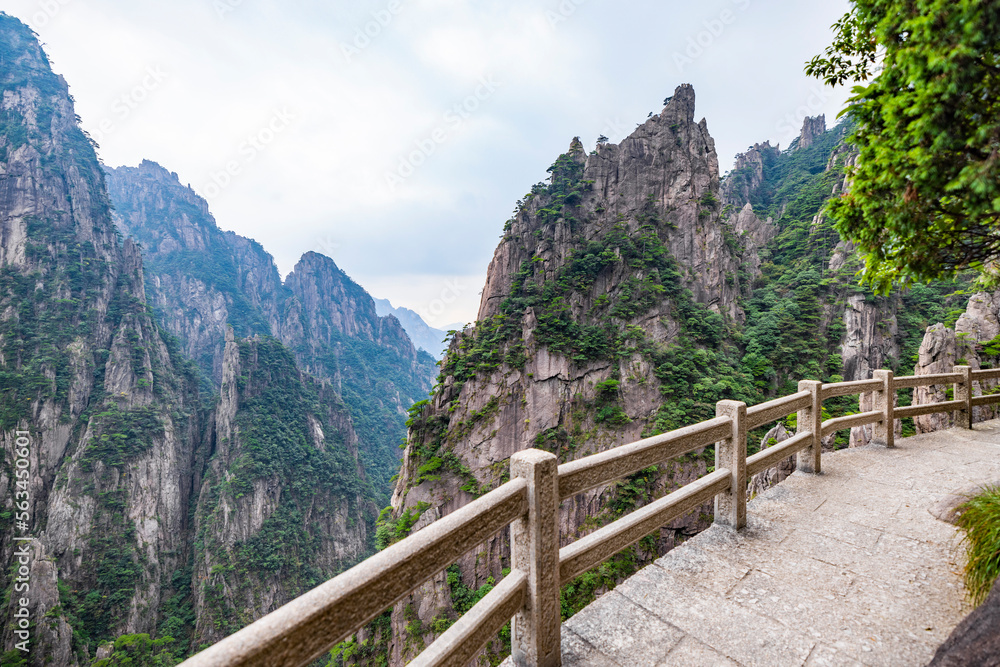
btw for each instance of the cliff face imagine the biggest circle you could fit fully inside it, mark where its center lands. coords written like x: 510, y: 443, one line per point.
x: 974, y: 340
x: 812, y: 128
x: 110, y: 408
x: 149, y: 510
x: 604, y: 281
x: 284, y: 504
x: 189, y: 265
x: 747, y: 175
x: 202, y: 280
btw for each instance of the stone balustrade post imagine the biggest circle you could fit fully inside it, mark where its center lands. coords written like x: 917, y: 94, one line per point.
x: 811, y: 420
x: 535, y: 630
x: 884, y: 432
x: 731, y: 507
x: 963, y: 392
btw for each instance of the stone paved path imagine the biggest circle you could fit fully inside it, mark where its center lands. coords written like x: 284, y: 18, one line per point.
x: 844, y: 568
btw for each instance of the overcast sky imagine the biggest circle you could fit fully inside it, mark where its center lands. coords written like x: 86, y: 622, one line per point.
x: 396, y: 135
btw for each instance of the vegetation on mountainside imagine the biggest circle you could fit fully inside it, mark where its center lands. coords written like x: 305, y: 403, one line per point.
x: 980, y: 519
x: 925, y: 196
x: 139, y: 651
x: 274, y: 440
x: 374, y: 379
x: 48, y: 340
x: 794, y: 325
x: 370, y: 652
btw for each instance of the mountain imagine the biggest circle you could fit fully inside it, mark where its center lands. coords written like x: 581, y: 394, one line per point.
x: 612, y: 295
x: 204, y: 440
x: 202, y: 280
x: 110, y: 407
x: 423, y: 335
x: 185, y: 473
x: 627, y: 295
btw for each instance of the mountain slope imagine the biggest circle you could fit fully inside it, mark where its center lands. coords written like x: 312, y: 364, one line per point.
x: 143, y: 497
x: 110, y: 405
x: 627, y: 296
x: 202, y: 279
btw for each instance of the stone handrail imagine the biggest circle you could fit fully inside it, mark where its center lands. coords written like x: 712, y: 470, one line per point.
x: 306, y: 627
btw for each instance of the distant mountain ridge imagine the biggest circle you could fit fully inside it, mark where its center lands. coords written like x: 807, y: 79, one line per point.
x: 423, y: 335
x: 201, y: 280
x: 165, y: 497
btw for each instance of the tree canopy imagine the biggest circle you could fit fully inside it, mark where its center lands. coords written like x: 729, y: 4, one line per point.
x: 924, y: 200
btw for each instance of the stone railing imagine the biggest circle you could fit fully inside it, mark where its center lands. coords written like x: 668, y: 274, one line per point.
x: 306, y: 627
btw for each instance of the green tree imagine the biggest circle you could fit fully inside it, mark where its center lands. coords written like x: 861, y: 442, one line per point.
x: 139, y: 651
x: 924, y: 201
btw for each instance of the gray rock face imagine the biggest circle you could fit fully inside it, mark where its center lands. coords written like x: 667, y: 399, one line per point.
x: 937, y: 355
x: 87, y: 332
x: 812, y: 127
x: 870, y: 341
x: 748, y: 173
x: 763, y: 481
x: 972, y: 342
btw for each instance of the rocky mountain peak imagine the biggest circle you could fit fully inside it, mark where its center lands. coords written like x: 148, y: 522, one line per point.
x: 680, y: 106
x: 331, y: 298
x: 812, y: 127
x: 747, y: 174
x: 665, y: 174
x: 21, y: 56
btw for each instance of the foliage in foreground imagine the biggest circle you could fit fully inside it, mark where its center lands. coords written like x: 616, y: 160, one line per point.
x: 980, y: 519
x: 925, y: 198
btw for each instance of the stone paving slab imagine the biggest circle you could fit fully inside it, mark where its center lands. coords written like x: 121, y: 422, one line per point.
x: 847, y: 568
